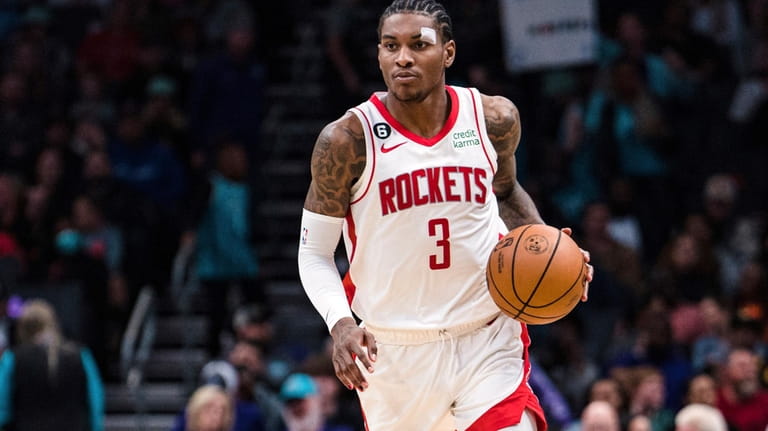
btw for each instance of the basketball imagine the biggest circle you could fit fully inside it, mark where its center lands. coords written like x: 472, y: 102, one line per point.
x: 536, y: 274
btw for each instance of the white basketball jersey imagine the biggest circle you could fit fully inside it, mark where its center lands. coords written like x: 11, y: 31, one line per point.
x: 423, y: 220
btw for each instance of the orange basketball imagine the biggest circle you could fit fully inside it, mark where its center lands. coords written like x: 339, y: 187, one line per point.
x: 536, y: 274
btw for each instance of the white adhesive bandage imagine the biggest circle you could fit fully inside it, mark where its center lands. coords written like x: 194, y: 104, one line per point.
x: 428, y: 34
x: 317, y: 268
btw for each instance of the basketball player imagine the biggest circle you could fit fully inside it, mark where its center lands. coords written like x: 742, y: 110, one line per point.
x: 412, y: 178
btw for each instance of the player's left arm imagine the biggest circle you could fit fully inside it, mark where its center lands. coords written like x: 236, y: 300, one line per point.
x: 502, y: 121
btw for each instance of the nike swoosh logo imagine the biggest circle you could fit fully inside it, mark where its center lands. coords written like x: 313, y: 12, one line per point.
x: 386, y: 150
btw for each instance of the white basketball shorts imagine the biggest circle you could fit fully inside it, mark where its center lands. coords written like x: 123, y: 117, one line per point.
x: 469, y: 378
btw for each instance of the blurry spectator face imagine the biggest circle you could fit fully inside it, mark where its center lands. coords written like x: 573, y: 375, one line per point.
x: 596, y: 218
x: 97, y: 165
x: 239, y: 42
x: 328, y: 388
x: 626, y: 80
x: 714, y: 316
x: 49, y: 168
x: 639, y: 423
x: 630, y: 30
x: 26, y: 59
x: 233, y: 162
x: 85, y: 215
x: 57, y: 134
x: 698, y: 227
x: 607, y: 390
x: 213, y: 415
x: 685, y: 254
x: 742, y: 371
x: 650, y: 391
x: 249, y: 362
x: 12, y: 89
x: 599, y: 416
x: 130, y: 128
x: 8, y: 192
x: 702, y: 390
x: 90, y: 86
x: 37, y: 203
x: 89, y: 136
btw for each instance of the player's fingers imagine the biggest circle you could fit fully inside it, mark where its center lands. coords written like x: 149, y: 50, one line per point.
x: 349, y: 373
x: 370, y: 342
x: 587, y: 280
x: 568, y: 231
x: 586, y: 254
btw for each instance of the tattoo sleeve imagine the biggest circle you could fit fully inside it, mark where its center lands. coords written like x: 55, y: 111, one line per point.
x: 338, y: 160
x: 503, y: 124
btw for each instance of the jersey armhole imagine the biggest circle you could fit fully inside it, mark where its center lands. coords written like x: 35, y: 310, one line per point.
x: 490, y: 150
x: 363, y: 184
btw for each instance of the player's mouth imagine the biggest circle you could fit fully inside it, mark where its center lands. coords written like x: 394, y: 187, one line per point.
x: 405, y: 76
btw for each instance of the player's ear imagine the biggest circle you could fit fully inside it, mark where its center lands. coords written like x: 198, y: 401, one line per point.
x: 450, y: 52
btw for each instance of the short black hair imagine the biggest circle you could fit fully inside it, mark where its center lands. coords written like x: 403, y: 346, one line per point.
x: 428, y: 8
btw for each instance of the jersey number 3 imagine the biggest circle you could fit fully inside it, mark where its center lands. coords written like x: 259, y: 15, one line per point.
x: 438, y: 227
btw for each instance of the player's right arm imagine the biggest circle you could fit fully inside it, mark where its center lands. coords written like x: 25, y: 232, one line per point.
x: 338, y: 160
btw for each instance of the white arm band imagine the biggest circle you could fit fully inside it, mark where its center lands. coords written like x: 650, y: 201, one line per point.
x: 317, y: 268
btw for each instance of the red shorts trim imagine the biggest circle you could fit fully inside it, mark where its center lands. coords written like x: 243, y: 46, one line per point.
x: 509, y: 411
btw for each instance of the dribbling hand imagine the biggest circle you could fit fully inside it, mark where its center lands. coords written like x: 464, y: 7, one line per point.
x: 590, y: 270
x: 350, y: 342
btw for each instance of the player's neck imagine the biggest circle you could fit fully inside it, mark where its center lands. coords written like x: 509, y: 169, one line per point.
x: 425, y: 117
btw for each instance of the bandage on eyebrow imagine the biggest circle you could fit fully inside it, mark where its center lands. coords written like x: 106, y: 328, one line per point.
x: 428, y: 35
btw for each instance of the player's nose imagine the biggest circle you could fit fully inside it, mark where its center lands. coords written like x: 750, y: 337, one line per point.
x: 404, y: 57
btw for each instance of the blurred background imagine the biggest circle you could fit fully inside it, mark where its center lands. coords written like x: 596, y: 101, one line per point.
x: 154, y: 156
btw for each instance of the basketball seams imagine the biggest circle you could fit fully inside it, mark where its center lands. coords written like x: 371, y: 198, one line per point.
x: 506, y: 291
x: 512, y: 273
x: 564, y: 294
x: 490, y: 276
x: 543, y: 273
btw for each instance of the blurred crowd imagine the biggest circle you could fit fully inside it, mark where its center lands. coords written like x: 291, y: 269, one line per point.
x: 130, y: 128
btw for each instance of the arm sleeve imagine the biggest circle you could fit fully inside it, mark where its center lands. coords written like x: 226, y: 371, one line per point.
x: 6, y: 387
x: 317, y: 269
x: 95, y: 391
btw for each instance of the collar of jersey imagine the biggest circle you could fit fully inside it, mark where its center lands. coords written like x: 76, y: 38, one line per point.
x: 412, y: 136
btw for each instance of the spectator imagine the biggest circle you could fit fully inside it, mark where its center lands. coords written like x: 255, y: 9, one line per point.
x: 226, y: 94
x: 46, y: 381
x: 685, y: 271
x: 115, y: 35
x: 209, y: 409
x: 223, y: 221
x: 600, y: 416
x: 224, y: 375
x: 647, y: 398
x: 303, y: 407
x: 619, y: 287
x: 640, y: 422
x: 702, y: 389
x: 739, y: 395
x: 700, y: 417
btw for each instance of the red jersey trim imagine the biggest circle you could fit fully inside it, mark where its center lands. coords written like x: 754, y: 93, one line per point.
x: 412, y: 136
x: 349, y: 288
x: 373, y: 156
x: 477, y: 124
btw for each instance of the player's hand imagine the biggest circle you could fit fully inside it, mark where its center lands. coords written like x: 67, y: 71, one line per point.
x: 590, y: 270
x: 349, y: 342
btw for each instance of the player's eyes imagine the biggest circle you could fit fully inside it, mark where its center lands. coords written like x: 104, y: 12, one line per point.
x: 390, y: 46
x: 419, y: 45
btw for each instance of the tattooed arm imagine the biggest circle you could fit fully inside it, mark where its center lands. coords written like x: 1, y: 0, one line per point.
x: 502, y: 121
x: 338, y: 161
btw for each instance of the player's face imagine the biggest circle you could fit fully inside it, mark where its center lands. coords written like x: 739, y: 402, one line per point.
x: 413, y: 56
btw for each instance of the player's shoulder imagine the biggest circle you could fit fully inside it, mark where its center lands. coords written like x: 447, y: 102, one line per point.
x: 345, y: 130
x: 498, y: 106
